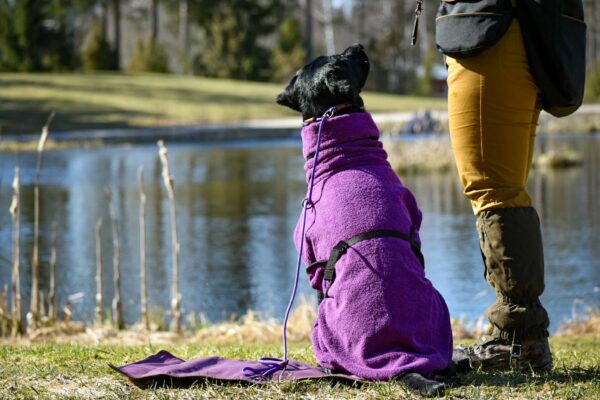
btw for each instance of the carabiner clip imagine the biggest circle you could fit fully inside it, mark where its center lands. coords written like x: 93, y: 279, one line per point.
x: 415, y: 31
x: 329, y: 113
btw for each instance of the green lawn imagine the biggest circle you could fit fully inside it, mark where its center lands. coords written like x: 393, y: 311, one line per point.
x: 80, y: 372
x: 111, y: 100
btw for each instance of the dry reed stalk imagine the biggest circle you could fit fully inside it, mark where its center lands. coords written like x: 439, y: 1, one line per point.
x: 99, y: 301
x: 175, y: 295
x: 16, y: 279
x: 52, y: 314
x: 42, y: 297
x: 586, y: 325
x: 117, y: 306
x: 143, y: 286
x: 5, y: 320
x: 33, y: 315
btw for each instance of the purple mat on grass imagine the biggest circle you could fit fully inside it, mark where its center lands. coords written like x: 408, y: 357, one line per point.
x: 165, y: 365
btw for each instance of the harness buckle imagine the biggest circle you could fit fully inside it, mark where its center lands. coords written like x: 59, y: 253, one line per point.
x: 516, y: 350
x: 338, y: 251
x: 341, y: 247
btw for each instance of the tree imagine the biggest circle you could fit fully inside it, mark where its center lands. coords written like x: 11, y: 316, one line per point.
x: 98, y: 54
x: 9, y: 49
x: 30, y: 32
x: 289, y: 54
x: 232, y: 47
x: 150, y: 56
x: 36, y: 35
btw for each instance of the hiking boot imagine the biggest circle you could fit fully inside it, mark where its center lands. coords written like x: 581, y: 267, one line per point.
x: 511, y: 245
x: 502, y: 354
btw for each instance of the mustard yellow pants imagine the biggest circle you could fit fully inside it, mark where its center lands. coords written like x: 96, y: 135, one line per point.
x: 493, y: 110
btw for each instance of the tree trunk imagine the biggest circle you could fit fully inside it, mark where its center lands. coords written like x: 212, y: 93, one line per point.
x: 104, y: 18
x: 308, y: 23
x: 329, y: 33
x: 153, y: 21
x: 184, y: 35
x: 116, y: 9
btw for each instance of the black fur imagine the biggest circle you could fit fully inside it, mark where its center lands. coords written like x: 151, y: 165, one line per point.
x: 328, y: 81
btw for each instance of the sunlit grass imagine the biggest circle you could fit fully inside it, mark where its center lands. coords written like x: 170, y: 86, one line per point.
x: 72, y: 362
x: 81, y: 372
x: 111, y: 100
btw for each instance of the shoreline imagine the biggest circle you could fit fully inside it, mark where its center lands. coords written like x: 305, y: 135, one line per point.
x: 585, y: 120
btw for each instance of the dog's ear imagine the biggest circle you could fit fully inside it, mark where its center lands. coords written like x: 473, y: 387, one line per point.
x: 289, y: 97
x: 357, y: 55
x: 339, y: 85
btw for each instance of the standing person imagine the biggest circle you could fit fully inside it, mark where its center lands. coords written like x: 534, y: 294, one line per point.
x: 493, y: 109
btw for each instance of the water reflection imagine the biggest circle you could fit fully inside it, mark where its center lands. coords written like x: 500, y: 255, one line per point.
x: 237, y: 207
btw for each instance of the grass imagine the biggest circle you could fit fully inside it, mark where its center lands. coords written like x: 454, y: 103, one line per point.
x: 73, y: 371
x: 112, y: 100
x: 70, y: 361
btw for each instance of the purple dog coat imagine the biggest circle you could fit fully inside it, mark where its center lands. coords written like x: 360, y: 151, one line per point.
x: 381, y: 315
x: 163, y: 366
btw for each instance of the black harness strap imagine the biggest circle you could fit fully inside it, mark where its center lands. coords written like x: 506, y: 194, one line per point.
x: 340, y: 249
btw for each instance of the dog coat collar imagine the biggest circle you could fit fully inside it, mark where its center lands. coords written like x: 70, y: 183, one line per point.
x: 335, y: 109
x: 339, y: 130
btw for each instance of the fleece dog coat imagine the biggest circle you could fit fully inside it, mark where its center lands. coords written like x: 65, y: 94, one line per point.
x: 381, y: 315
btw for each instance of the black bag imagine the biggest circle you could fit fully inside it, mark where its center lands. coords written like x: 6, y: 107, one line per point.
x: 467, y: 27
x: 554, y: 34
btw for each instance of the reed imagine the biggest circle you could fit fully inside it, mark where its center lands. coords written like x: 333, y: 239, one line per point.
x: 33, y: 315
x: 169, y: 183
x: 117, y: 306
x: 17, y: 312
x: 143, y: 284
x: 588, y: 324
x: 419, y: 156
x: 52, y: 313
x: 99, y: 318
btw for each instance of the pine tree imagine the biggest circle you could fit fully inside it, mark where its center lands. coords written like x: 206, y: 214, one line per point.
x: 289, y: 54
x: 234, y: 29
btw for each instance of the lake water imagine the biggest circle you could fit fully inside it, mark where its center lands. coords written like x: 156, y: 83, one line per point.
x: 237, y: 206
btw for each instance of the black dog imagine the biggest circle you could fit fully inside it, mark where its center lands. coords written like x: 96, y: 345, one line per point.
x: 329, y: 81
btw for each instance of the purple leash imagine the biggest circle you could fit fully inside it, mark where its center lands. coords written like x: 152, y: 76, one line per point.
x: 272, y: 365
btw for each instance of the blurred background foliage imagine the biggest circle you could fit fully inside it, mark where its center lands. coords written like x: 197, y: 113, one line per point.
x: 258, y: 40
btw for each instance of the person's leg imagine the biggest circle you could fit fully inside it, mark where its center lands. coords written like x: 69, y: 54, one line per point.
x: 493, y: 110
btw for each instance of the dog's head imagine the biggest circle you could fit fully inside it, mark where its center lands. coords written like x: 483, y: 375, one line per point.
x: 326, y: 82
